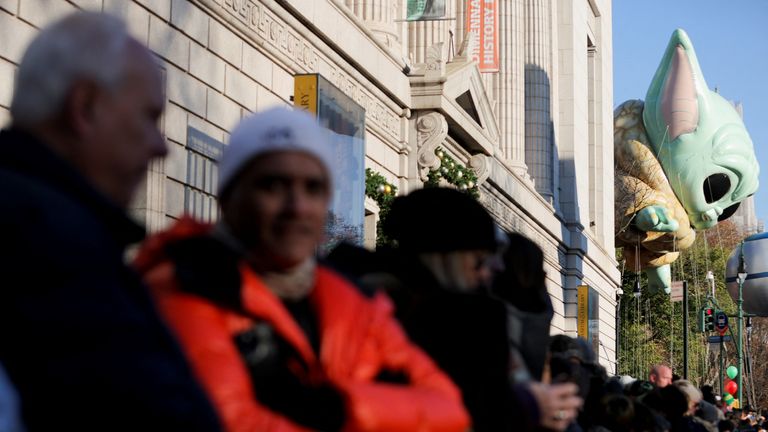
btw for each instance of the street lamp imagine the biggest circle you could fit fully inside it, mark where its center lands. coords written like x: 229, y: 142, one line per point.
x: 711, y: 278
x: 741, y: 277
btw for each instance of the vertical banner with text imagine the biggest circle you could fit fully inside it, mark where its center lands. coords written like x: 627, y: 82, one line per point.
x: 588, y: 315
x: 483, y: 21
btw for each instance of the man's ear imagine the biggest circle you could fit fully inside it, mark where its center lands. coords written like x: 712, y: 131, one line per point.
x: 81, y: 107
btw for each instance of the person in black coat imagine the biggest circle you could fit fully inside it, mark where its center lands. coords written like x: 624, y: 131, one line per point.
x: 522, y: 286
x: 438, y: 274
x: 79, y: 335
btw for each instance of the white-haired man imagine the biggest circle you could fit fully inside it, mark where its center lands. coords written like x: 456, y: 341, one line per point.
x: 79, y: 335
x: 660, y: 375
x: 694, y: 397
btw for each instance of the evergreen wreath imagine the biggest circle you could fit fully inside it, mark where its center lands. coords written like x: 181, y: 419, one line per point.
x: 463, y: 178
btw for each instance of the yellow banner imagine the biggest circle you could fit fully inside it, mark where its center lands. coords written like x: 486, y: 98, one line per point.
x: 582, y: 311
x: 305, y: 92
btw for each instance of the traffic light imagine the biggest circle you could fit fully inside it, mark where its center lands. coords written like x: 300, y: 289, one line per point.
x: 707, y: 320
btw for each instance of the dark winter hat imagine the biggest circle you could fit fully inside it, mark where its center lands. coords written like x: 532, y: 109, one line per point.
x: 439, y: 220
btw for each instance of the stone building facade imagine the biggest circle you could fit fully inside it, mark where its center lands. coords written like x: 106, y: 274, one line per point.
x: 538, y: 132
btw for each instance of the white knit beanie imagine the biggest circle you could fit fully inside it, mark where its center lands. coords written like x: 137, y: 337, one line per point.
x: 276, y: 129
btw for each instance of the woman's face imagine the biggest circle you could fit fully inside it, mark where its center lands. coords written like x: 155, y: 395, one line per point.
x: 477, y: 267
x: 462, y: 270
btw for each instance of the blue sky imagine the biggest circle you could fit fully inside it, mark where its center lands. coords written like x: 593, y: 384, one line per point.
x: 731, y: 42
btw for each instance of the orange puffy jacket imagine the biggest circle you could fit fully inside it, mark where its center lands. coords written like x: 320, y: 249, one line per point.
x: 359, y: 338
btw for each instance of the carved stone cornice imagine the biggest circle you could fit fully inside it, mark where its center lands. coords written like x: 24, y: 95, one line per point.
x: 437, y: 86
x: 278, y: 33
x: 431, y: 128
x: 481, y: 165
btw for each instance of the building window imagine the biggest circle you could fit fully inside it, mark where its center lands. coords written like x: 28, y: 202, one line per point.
x: 202, y: 176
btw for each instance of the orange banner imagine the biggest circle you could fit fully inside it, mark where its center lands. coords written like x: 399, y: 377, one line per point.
x: 483, y: 20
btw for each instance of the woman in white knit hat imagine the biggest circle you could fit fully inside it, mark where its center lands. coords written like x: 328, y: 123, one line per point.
x: 279, y: 342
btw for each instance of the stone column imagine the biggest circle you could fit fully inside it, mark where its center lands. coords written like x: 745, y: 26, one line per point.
x: 379, y: 16
x: 509, y: 88
x: 538, y: 107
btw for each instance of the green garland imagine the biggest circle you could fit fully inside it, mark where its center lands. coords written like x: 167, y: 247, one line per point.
x: 460, y: 176
x: 380, y: 190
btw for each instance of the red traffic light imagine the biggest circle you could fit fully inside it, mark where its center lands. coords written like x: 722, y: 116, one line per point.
x: 708, y: 319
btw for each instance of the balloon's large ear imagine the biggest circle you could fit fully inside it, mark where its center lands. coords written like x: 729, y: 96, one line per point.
x: 677, y: 95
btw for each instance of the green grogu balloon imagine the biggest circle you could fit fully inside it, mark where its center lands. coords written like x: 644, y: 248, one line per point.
x: 688, y: 163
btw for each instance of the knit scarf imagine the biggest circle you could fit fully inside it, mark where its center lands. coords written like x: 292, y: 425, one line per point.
x: 291, y: 284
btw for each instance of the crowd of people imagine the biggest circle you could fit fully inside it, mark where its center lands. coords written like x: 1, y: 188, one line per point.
x: 238, y: 325
x: 666, y: 402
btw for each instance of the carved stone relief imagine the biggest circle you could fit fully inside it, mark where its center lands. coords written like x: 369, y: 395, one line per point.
x: 480, y: 164
x: 431, y: 130
x: 435, y: 62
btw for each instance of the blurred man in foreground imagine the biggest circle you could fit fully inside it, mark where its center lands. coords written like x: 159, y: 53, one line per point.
x: 79, y: 336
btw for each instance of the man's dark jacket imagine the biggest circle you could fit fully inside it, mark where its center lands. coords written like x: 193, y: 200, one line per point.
x: 79, y: 335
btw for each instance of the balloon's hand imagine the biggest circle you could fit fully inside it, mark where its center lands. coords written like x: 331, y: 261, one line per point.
x: 655, y: 218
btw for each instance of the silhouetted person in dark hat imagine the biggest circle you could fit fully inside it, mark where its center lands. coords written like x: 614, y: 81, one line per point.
x: 438, y: 274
